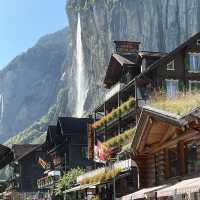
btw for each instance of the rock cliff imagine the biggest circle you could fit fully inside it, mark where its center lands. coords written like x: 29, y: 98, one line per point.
x: 30, y: 83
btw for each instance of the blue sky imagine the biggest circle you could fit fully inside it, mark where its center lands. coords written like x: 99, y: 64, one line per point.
x: 23, y: 22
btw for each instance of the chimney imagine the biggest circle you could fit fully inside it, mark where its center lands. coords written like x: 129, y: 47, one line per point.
x: 124, y: 47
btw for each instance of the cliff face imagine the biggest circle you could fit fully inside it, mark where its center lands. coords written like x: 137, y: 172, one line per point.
x: 30, y: 83
x: 160, y: 25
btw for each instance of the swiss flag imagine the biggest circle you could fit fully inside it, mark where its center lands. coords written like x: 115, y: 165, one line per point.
x: 103, y: 151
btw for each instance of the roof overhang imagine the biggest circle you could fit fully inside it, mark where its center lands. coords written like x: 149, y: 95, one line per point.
x: 115, y: 69
x: 156, y: 126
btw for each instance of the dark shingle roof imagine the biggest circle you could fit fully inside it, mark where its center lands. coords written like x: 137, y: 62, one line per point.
x: 71, y: 126
x: 20, y: 149
x: 6, y: 156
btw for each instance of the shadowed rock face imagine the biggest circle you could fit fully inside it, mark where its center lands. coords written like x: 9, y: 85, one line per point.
x: 160, y: 25
x: 29, y: 84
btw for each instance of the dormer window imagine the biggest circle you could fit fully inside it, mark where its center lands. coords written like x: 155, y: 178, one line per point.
x: 170, y: 65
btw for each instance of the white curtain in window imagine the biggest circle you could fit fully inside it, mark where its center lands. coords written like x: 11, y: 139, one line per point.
x: 172, y: 86
x: 194, y: 62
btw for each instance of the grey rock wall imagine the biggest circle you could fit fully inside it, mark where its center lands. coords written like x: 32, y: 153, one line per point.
x: 30, y: 83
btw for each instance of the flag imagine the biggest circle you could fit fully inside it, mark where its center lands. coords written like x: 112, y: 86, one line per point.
x: 42, y: 163
x: 103, y: 151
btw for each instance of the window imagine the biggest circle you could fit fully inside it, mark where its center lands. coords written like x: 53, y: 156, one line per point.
x: 171, y: 87
x: 170, y: 66
x: 194, y: 62
x: 173, y: 162
x: 194, y: 85
x: 191, y: 157
x: 198, y: 42
x: 84, y: 152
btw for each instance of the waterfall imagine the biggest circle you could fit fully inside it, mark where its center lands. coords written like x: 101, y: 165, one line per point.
x: 81, y: 83
x: 1, y: 107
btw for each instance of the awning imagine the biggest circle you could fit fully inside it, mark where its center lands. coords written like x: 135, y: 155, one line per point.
x: 185, y: 186
x: 81, y: 187
x: 140, y: 194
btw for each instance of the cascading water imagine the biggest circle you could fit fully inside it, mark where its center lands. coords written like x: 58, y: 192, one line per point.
x: 81, y: 83
x: 1, y: 107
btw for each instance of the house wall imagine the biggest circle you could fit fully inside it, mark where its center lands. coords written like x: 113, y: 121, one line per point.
x: 30, y: 171
x: 146, y: 167
x: 153, y: 168
x: 180, y: 72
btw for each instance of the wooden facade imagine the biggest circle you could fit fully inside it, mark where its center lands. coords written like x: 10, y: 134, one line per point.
x: 177, y: 71
x: 66, y: 141
x: 167, y: 148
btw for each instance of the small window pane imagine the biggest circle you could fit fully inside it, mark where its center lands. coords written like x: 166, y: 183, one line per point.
x: 170, y: 66
x: 194, y: 85
x: 191, y: 157
x: 173, y: 162
x: 194, y: 62
x: 172, y: 87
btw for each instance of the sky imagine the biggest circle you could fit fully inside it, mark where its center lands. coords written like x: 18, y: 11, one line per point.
x: 23, y: 22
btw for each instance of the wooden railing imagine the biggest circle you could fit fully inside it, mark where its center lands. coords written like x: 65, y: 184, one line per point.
x: 46, y: 181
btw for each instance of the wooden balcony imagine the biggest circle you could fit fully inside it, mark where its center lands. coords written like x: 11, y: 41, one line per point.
x: 47, y: 182
x: 111, y: 119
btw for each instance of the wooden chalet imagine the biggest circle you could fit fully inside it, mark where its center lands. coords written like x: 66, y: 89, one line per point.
x: 66, y: 146
x: 179, y: 70
x: 23, y: 164
x: 166, y: 148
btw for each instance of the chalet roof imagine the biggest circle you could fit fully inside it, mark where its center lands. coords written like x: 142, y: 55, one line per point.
x: 149, y: 113
x: 6, y: 156
x: 4, y: 150
x: 122, y: 60
x: 34, y: 148
x: 152, y: 54
x: 158, y: 63
x: 71, y: 125
x: 20, y: 149
x: 52, y: 133
x: 115, y: 67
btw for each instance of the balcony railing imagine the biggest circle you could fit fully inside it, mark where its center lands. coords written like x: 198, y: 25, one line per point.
x: 115, y: 113
x: 49, y: 180
x: 114, y: 90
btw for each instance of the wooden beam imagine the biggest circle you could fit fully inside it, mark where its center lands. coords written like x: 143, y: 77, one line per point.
x: 188, y: 135
x: 144, y: 134
x: 168, y: 134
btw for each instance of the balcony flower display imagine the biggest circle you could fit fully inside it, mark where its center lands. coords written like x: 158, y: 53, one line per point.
x: 101, y: 177
x: 115, y: 113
